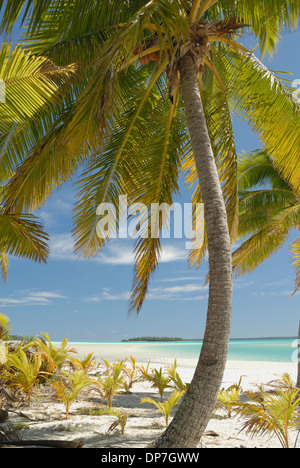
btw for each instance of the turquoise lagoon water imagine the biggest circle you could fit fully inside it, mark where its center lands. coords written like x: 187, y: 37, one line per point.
x: 277, y: 350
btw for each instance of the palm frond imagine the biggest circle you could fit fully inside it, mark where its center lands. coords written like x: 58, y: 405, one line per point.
x: 256, y: 168
x: 295, y: 251
x: 33, y: 89
x: 269, y: 211
x: 159, y: 185
x: 267, y: 19
x: 259, y: 97
x: 32, y: 84
x: 4, y: 264
x: 23, y: 237
x: 113, y: 170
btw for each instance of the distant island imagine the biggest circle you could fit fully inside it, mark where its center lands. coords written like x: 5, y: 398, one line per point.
x: 151, y: 339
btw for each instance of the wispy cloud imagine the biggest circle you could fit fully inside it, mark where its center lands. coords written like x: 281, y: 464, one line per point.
x: 278, y: 293
x: 115, y: 253
x: 180, y: 292
x: 179, y: 279
x: 31, y: 298
x: 48, y: 295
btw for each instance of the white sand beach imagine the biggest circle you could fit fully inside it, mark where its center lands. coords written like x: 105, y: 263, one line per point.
x: 45, y: 419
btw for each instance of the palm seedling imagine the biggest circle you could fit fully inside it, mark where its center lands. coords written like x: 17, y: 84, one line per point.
x: 68, y: 387
x: 111, y: 383
x: 24, y: 372
x: 273, y: 415
x: 158, y: 379
x: 175, y: 379
x: 167, y: 406
x: 85, y: 364
x: 227, y: 399
x: 5, y: 327
x: 132, y: 375
x: 54, y: 356
x: 121, y: 419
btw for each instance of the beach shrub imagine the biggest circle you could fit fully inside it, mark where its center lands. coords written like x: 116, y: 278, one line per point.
x: 272, y: 415
x: 121, y: 419
x: 227, y: 399
x: 24, y: 372
x: 158, y: 379
x: 132, y: 375
x: 175, y: 379
x: 165, y: 407
x: 284, y: 382
x: 85, y: 364
x: 68, y: 387
x: 5, y: 328
x: 54, y: 357
x: 111, y: 383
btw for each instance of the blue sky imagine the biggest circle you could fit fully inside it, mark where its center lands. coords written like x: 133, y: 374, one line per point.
x: 88, y: 301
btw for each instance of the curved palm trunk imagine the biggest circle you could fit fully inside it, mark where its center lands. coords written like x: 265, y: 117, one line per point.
x: 197, y: 407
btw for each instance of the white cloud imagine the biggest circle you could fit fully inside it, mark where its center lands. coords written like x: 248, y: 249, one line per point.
x: 27, y: 298
x: 115, y: 253
x: 91, y: 299
x: 61, y: 247
x: 186, y: 288
x: 47, y: 294
x: 107, y: 296
x: 175, y: 293
x: 121, y: 254
x: 180, y: 292
x: 183, y: 278
x: 173, y: 254
x: 279, y: 293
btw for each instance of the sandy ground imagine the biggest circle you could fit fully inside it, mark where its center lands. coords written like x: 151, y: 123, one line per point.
x: 145, y: 423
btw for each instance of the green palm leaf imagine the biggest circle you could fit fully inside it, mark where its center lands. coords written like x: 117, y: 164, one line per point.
x: 295, y: 250
x: 23, y: 236
x: 4, y: 264
x: 257, y: 95
x: 269, y: 211
x: 162, y: 170
x: 32, y: 87
x: 103, y: 115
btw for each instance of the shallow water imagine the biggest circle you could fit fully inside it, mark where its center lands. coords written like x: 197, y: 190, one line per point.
x: 280, y: 350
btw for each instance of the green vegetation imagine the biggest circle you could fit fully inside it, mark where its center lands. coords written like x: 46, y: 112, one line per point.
x: 165, y: 407
x: 152, y: 75
x: 269, y: 211
x: 5, y: 328
x: 111, y: 383
x: 23, y: 372
x: 68, y: 387
x: 273, y: 409
x: 271, y: 414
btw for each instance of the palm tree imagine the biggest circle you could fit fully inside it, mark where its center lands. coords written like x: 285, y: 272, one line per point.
x: 156, y: 86
x: 32, y: 86
x: 269, y: 211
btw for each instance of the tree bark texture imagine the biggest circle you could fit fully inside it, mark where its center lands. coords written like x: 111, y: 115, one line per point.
x: 196, y: 409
